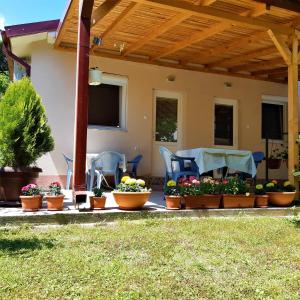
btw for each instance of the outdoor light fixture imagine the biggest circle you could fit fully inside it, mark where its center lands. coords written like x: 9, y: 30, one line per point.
x: 95, y: 76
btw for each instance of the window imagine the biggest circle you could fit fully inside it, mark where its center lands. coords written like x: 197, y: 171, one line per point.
x: 107, y: 103
x: 225, y: 123
x: 273, y: 118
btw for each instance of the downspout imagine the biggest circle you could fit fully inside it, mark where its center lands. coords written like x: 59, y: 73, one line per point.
x: 10, y: 56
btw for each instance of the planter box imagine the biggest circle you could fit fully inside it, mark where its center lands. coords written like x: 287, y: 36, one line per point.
x: 30, y: 203
x: 173, y: 202
x: 238, y: 201
x: 203, y: 201
x: 131, y: 200
x: 55, y: 202
x: 97, y: 202
x: 281, y: 198
x: 261, y: 201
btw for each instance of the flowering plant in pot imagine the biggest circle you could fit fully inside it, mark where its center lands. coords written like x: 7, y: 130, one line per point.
x: 280, y: 194
x: 31, y: 197
x: 54, y: 197
x: 98, y: 200
x: 190, y: 189
x: 212, y: 193
x: 172, y: 195
x: 236, y: 194
x: 262, y: 198
x: 131, y: 193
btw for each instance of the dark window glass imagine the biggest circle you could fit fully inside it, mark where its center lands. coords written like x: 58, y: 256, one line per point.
x: 104, y: 107
x: 223, y: 125
x: 272, y: 121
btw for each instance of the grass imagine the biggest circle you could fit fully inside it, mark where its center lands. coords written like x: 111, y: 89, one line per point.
x: 241, y: 258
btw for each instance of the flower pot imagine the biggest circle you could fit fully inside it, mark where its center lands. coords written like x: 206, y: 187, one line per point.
x: 131, y: 200
x: 40, y: 201
x: 97, y: 202
x: 281, y: 198
x: 173, y: 202
x: 238, y: 201
x: 202, y: 201
x: 12, y: 180
x: 274, y: 163
x: 55, y: 202
x: 261, y: 201
x: 30, y: 203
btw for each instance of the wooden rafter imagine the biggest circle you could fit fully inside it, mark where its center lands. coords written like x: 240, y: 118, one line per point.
x: 269, y: 71
x: 205, y: 2
x: 215, y: 14
x: 290, y: 5
x: 269, y: 64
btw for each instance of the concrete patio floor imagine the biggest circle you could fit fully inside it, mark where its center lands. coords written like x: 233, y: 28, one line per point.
x: 153, y: 208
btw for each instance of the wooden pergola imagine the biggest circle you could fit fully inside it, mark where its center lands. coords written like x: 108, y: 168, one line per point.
x: 242, y: 38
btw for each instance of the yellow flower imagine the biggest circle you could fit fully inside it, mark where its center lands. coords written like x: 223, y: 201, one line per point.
x: 270, y: 184
x: 171, y: 183
x: 140, y: 182
x: 130, y: 181
x: 274, y: 181
x: 286, y: 183
x: 259, y: 187
x: 124, y: 178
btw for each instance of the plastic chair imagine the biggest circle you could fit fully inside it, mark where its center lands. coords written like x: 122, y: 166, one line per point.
x: 175, y: 165
x: 134, y: 165
x: 106, y: 163
x: 69, y: 162
x: 258, y: 157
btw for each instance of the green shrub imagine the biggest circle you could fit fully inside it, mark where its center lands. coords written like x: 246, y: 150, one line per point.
x: 4, y: 82
x: 24, y: 133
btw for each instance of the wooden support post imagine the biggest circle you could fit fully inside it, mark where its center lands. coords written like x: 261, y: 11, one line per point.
x: 81, y: 106
x: 293, y: 154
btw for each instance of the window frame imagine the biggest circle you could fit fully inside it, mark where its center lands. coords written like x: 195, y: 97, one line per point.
x: 121, y: 81
x: 277, y: 100
x: 234, y: 104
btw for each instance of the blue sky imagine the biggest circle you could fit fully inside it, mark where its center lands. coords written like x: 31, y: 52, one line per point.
x: 26, y: 11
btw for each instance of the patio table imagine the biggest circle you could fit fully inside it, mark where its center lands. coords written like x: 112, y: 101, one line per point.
x: 209, y: 159
x: 90, y: 156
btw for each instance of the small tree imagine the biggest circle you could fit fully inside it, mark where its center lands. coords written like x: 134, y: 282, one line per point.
x: 4, y: 82
x: 24, y: 133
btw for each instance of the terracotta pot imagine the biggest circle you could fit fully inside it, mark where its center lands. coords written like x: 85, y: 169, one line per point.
x: 97, y: 202
x: 281, y: 198
x: 131, y: 200
x: 261, y: 201
x: 202, y: 201
x: 40, y: 201
x: 55, y: 202
x: 30, y: 203
x: 173, y: 202
x: 274, y: 163
x: 12, y: 180
x: 238, y: 201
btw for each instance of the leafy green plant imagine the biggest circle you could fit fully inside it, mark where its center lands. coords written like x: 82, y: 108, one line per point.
x: 132, y: 185
x: 24, y: 133
x: 274, y: 186
x: 4, y: 82
x: 55, y: 189
x: 259, y: 189
x: 172, y: 189
x: 30, y: 190
x: 190, y: 187
x: 235, y: 186
x: 98, y: 192
x: 210, y: 186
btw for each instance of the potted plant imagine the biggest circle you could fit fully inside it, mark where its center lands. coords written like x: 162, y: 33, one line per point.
x: 211, y: 193
x: 24, y: 137
x: 190, y: 189
x: 236, y: 194
x: 131, y: 193
x: 54, y: 197
x: 274, y: 159
x: 280, y: 194
x: 172, y: 195
x: 98, y: 200
x: 261, y: 199
x: 31, y: 197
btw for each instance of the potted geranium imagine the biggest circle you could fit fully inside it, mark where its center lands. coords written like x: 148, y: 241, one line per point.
x: 212, y: 193
x: 131, y: 193
x: 274, y: 159
x: 280, y: 194
x: 172, y: 195
x: 98, y: 200
x: 236, y: 194
x: 54, y: 197
x: 262, y: 198
x: 31, y: 197
x: 24, y: 137
x: 190, y: 189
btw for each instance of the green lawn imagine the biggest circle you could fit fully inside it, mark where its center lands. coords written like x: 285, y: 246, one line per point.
x: 241, y: 258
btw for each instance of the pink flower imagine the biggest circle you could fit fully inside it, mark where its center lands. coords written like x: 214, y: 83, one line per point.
x: 196, y: 182
x: 192, y: 178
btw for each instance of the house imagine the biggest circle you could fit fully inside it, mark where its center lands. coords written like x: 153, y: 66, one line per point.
x: 184, y: 74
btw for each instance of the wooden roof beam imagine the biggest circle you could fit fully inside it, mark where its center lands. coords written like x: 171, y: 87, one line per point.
x: 269, y: 64
x: 290, y: 5
x: 219, y: 15
x: 205, y: 2
x: 268, y: 72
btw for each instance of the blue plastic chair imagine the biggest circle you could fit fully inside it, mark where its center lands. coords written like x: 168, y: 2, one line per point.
x: 106, y: 163
x: 69, y: 162
x: 175, y: 165
x: 134, y: 165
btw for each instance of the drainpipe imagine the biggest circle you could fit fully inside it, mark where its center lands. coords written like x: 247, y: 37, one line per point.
x: 7, y: 51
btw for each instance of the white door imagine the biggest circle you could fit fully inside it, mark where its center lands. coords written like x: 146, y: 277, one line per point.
x: 166, y: 127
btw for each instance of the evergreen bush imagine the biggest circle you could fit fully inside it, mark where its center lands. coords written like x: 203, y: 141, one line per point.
x: 24, y: 133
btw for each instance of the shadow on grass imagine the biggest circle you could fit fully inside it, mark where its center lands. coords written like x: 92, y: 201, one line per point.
x: 21, y: 246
